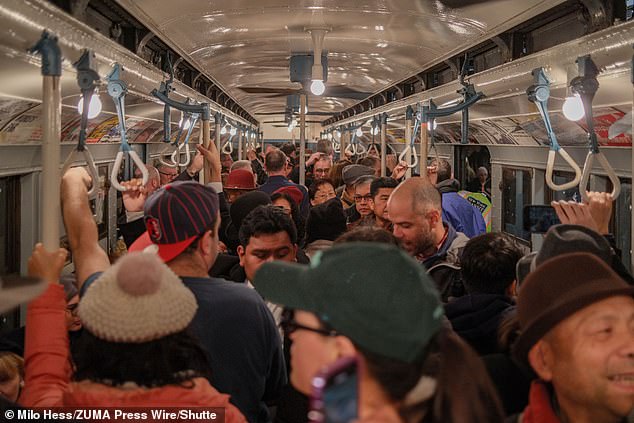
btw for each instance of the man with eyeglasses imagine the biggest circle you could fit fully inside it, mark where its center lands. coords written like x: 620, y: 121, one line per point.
x: 363, y: 211
x: 322, y: 166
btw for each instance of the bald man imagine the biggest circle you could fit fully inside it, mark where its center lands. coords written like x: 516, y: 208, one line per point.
x: 415, y: 210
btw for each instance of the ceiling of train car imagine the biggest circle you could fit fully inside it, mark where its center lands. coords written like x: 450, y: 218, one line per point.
x: 371, y: 43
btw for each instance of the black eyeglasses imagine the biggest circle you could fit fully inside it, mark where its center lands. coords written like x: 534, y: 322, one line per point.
x: 289, y: 325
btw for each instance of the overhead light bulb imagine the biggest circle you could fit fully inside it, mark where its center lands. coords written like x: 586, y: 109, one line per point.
x: 290, y: 128
x: 359, y: 132
x: 233, y: 131
x: 317, y: 87
x: 95, y: 106
x: 433, y: 125
x: 223, y: 130
x: 337, y: 134
x: 573, y: 108
x: 329, y: 136
x: 375, y: 130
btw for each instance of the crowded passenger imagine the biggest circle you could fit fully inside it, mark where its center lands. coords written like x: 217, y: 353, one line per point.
x: 321, y: 191
x: 238, y: 182
x: 456, y: 210
x: 362, y: 213
x: 576, y: 315
x: 380, y: 191
x: 488, y: 273
x: 275, y: 163
x: 410, y: 368
x: 233, y: 325
x: 415, y: 210
x: 350, y: 175
x: 326, y: 222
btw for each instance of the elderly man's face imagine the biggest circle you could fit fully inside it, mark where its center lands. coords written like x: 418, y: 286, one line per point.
x: 322, y: 167
x: 168, y: 174
x: 589, y: 359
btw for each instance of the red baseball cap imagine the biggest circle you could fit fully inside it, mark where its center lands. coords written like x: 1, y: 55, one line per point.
x: 240, y: 179
x: 175, y: 216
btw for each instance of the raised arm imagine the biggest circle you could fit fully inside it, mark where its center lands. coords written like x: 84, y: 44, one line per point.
x: 81, y: 229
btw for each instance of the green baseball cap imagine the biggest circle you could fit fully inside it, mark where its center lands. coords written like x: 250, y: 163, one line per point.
x: 375, y: 294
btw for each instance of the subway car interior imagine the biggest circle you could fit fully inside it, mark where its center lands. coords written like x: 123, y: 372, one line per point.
x: 529, y: 101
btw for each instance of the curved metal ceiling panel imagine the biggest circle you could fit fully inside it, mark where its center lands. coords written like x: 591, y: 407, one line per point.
x: 371, y: 45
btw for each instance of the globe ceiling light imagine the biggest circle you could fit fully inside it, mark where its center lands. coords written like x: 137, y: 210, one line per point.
x: 94, y: 108
x: 573, y: 108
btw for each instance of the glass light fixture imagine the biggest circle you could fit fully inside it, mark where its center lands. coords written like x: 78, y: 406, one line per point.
x: 233, y: 131
x: 223, y: 130
x: 573, y: 108
x: 317, y: 87
x: 94, y: 108
x: 375, y: 130
x: 359, y: 132
x: 433, y: 125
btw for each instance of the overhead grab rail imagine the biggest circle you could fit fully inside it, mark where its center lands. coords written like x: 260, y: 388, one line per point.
x: 197, y: 111
x: 188, y: 122
x: 410, y: 148
x: 86, y: 78
x: 586, y: 85
x: 117, y: 89
x: 539, y: 93
x: 355, y: 147
x: 430, y: 112
x: 190, y: 119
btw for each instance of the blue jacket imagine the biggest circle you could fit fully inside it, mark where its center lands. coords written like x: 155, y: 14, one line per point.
x: 459, y: 212
x: 276, y: 182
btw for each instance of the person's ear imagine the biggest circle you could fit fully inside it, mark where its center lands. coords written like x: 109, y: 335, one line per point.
x: 540, y: 357
x: 241, y: 252
x: 511, y: 290
x: 206, y: 243
x: 345, y: 347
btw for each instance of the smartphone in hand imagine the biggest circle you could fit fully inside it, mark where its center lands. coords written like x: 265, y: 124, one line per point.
x: 335, y: 396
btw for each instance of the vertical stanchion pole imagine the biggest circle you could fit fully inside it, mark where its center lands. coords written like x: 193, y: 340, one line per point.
x: 217, y: 121
x: 206, y: 117
x: 240, y: 143
x: 383, y: 123
x: 343, y: 143
x: 424, y: 149
x: 302, y: 139
x: 48, y: 48
x: 408, y: 137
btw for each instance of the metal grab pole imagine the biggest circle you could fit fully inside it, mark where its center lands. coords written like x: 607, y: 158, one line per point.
x: 408, y: 137
x: 424, y: 148
x: 207, y: 138
x: 217, y: 121
x: 240, y: 143
x: 302, y: 139
x: 383, y: 123
x: 342, y: 144
x: 51, y: 148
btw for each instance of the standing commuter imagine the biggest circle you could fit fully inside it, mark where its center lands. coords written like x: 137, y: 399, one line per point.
x: 410, y: 368
x: 233, y: 324
x: 275, y: 163
x: 415, y: 210
x: 456, y: 210
x: 380, y: 190
x: 576, y: 320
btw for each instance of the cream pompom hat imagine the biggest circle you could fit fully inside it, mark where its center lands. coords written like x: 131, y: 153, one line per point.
x: 138, y: 299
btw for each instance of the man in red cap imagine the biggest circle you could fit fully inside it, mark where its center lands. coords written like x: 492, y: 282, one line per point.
x: 238, y: 182
x: 576, y: 319
x: 233, y: 324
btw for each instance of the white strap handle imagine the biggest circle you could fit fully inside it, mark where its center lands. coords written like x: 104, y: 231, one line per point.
x: 92, y: 169
x: 587, y: 170
x: 551, y: 164
x: 117, y: 165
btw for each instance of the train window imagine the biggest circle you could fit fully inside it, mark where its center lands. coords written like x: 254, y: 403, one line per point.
x: 9, y: 240
x: 468, y: 159
x: 516, y: 193
x: 571, y: 194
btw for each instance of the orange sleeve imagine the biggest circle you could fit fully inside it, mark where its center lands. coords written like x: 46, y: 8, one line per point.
x: 46, y: 350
